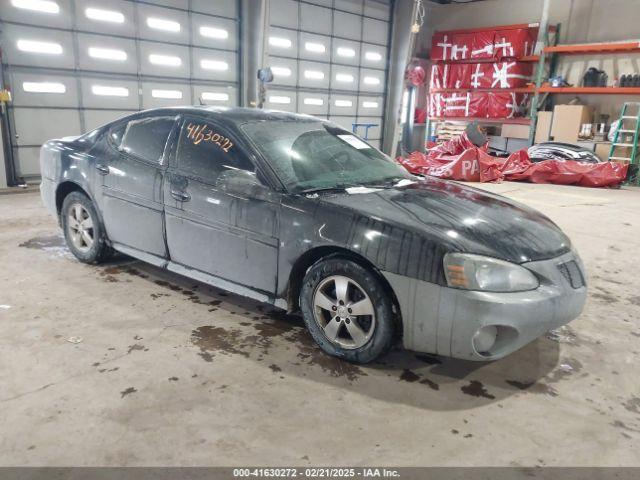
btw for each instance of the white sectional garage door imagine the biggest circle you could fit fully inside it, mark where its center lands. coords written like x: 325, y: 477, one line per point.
x: 73, y: 65
x: 329, y: 59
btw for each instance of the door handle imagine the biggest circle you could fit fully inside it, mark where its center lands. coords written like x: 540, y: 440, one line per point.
x: 180, y: 196
x: 102, y: 169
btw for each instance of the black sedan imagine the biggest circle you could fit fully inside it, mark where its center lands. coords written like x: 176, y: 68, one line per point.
x: 300, y: 213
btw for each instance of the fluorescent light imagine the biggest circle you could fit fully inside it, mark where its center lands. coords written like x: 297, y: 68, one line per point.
x: 167, y: 60
x: 313, y: 101
x: 372, y: 80
x: 213, y: 32
x: 104, y: 15
x: 373, y: 56
x: 172, y: 94
x: 43, y: 6
x: 33, y: 46
x: 215, y: 96
x: 346, y: 52
x: 368, y: 104
x: 103, y: 90
x: 279, y: 99
x: 107, y: 54
x: 280, y: 42
x: 344, y: 77
x: 214, y: 65
x: 43, y: 87
x: 313, y: 74
x: 343, y: 103
x: 162, y: 24
x: 314, y: 47
x: 281, y: 71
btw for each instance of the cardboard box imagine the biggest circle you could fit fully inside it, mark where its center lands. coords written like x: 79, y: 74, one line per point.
x: 543, y: 127
x: 602, y: 150
x: 567, y: 120
x: 515, y: 131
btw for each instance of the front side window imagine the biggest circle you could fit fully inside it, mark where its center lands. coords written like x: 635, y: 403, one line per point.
x: 308, y: 155
x: 206, y: 150
x: 145, y: 138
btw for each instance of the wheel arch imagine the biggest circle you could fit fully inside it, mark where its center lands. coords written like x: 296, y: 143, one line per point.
x: 64, y: 189
x: 314, y: 255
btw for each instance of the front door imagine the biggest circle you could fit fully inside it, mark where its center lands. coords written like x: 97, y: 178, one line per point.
x: 229, y: 236
x: 132, y: 178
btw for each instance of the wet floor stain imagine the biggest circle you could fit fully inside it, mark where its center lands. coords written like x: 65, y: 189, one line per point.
x: 534, y: 387
x: 605, y: 297
x: 634, y: 300
x: 173, y: 379
x: 633, y: 405
x: 138, y: 347
x: 409, y: 376
x: 127, y: 391
x: 44, y: 243
x: 475, y: 388
x: 212, y: 340
x: 563, y: 334
x: 428, y: 359
x: 275, y: 368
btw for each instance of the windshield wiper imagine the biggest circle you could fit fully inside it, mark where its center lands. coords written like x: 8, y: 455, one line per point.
x: 335, y: 188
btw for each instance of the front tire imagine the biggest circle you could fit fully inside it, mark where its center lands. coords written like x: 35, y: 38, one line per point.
x: 83, y: 230
x: 347, y: 310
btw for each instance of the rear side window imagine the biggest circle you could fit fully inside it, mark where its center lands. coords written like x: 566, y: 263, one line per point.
x: 146, y: 138
x: 206, y: 150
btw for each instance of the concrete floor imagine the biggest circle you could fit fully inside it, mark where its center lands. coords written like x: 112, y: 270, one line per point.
x: 171, y: 372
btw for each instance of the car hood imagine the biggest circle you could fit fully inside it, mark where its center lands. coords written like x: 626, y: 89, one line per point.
x: 461, y: 218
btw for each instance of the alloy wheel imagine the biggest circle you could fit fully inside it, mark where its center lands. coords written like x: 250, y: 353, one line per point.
x: 80, y: 227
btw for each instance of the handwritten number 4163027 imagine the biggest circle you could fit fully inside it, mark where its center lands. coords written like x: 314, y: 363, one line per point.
x: 202, y: 133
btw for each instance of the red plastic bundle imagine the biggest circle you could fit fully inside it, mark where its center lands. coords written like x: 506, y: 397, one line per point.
x: 459, y: 159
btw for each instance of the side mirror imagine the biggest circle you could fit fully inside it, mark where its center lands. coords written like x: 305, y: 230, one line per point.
x: 242, y: 184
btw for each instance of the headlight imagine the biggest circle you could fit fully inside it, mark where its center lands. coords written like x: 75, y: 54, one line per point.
x: 475, y: 272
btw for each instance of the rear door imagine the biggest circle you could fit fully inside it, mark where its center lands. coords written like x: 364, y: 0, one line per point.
x: 132, y: 178
x: 229, y: 236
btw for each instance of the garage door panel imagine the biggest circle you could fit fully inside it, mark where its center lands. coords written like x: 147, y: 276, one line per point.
x: 314, y: 74
x: 221, y: 96
x: 344, y: 78
x: 183, y: 4
x: 106, y: 93
x: 313, y: 103
x: 353, y: 6
x: 315, y: 19
x: 343, y: 105
x: 61, y: 19
x: 375, y: 31
x: 214, y: 32
x: 345, y: 52
x: 370, y: 105
x: 282, y: 42
x: 101, y: 53
x: 224, y: 8
x: 373, y: 56
x: 215, y: 65
x: 347, y: 25
x: 24, y: 84
x: 27, y: 161
x: 285, y: 71
x: 94, y: 19
x: 155, y: 95
x: 283, y: 13
x: 281, y: 100
x: 164, y: 60
x: 170, y: 25
x: 380, y: 10
x: 34, y: 126
x: 345, y: 122
x: 371, y: 80
x: 314, y: 47
x: 97, y: 118
x: 58, y: 43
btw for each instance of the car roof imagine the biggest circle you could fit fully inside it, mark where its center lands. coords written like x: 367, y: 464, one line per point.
x: 237, y: 115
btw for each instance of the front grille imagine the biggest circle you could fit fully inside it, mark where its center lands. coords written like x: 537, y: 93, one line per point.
x: 571, y: 272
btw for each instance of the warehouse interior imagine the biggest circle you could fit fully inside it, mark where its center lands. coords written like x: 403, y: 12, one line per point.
x: 128, y: 364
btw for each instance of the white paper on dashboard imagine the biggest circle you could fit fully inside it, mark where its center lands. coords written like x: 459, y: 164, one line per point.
x: 355, y: 142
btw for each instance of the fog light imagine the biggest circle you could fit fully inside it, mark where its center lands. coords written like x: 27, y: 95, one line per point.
x: 485, y: 338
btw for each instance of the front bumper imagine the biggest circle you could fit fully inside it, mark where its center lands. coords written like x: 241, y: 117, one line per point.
x: 444, y: 320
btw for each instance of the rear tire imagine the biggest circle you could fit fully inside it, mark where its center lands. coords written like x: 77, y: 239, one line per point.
x: 347, y: 310
x: 83, y: 231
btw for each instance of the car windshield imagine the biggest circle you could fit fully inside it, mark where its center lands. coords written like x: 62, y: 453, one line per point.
x: 314, y: 155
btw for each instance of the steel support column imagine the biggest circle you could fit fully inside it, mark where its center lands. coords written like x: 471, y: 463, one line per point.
x: 253, y: 31
x: 399, y: 57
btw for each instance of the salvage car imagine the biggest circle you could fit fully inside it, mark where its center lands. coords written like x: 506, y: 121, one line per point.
x: 300, y: 213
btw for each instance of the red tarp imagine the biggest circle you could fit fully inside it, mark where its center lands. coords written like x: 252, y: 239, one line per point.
x: 459, y: 159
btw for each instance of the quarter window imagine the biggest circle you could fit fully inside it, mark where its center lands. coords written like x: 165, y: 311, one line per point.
x: 146, y: 138
x: 205, y: 151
